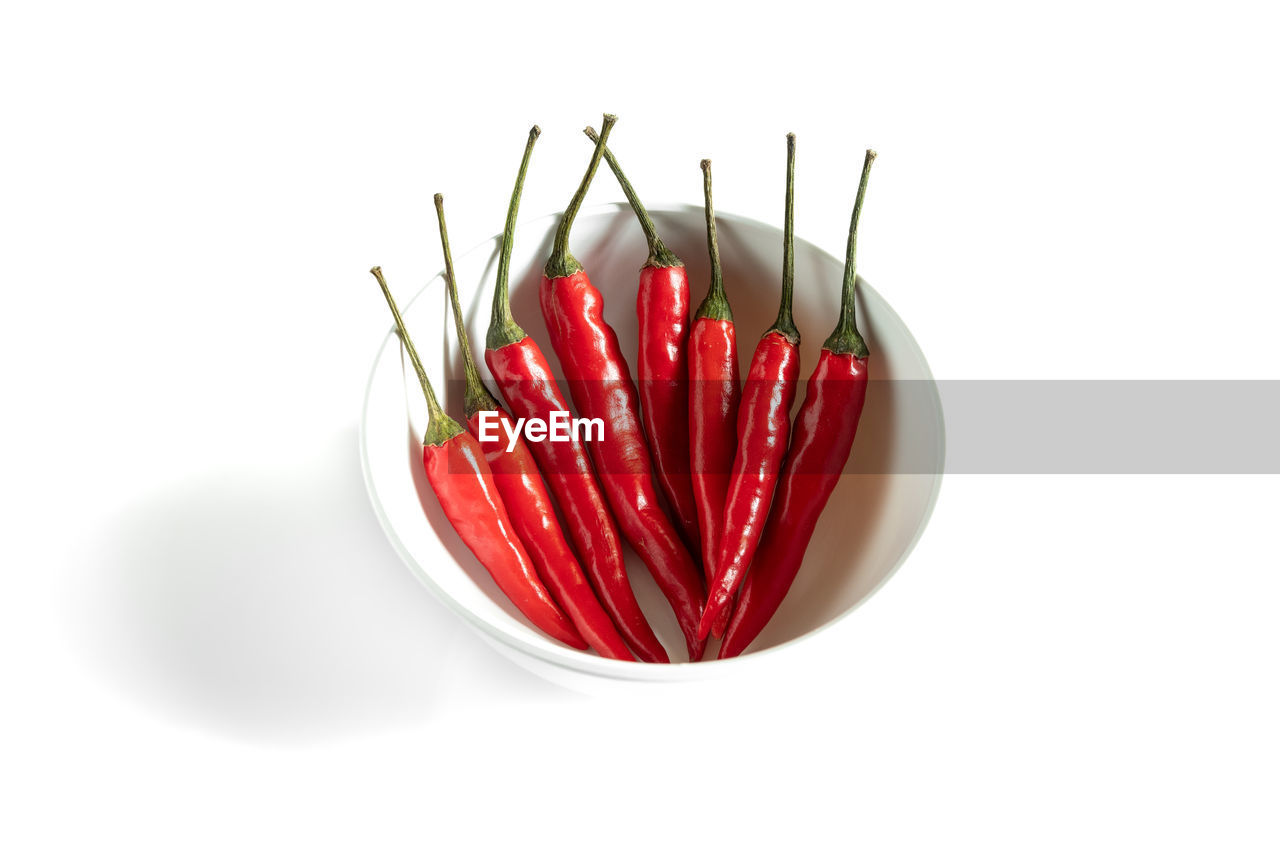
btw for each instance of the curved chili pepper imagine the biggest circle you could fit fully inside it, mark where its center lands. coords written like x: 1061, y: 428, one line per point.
x: 601, y: 387
x: 525, y: 495
x: 764, y: 424
x: 662, y: 369
x: 530, y: 389
x: 820, y: 444
x: 714, y: 394
x: 463, y: 483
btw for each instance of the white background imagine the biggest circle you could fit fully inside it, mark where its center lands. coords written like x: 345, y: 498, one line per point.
x: 207, y: 642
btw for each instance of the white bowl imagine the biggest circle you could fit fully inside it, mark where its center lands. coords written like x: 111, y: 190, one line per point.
x: 869, y: 527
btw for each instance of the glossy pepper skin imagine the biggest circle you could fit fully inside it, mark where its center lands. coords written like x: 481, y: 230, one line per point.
x: 463, y: 483
x: 524, y: 493
x: 531, y: 391
x: 662, y: 366
x: 526, y: 382
x: 515, y: 473
x: 821, y: 441
x: 714, y: 396
x: 601, y: 387
x: 662, y: 308
x: 764, y: 426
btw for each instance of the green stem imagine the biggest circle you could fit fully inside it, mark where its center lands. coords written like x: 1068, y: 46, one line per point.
x: 785, y: 325
x: 440, y: 427
x: 659, y: 255
x: 845, y: 340
x: 503, y: 329
x: 476, y: 398
x: 562, y: 264
x: 716, y: 304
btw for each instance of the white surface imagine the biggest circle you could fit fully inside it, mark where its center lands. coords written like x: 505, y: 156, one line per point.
x: 875, y: 518
x: 209, y: 645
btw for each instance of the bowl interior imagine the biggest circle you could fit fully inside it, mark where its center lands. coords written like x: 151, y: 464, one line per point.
x: 874, y: 517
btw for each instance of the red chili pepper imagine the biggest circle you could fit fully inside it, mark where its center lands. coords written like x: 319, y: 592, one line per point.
x: 662, y: 369
x: 764, y: 424
x: 601, y: 387
x: 714, y: 395
x: 525, y: 495
x: 530, y: 389
x: 820, y: 444
x: 463, y: 483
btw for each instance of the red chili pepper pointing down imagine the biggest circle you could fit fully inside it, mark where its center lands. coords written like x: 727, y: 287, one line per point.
x: 662, y: 369
x: 463, y: 483
x: 520, y: 484
x: 601, y: 387
x: 530, y: 389
x: 764, y: 424
x: 714, y: 395
x: 820, y: 444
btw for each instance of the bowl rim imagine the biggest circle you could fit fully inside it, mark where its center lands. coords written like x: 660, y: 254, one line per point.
x: 586, y: 662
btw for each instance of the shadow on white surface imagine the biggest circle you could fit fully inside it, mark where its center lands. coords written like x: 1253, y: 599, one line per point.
x: 267, y: 604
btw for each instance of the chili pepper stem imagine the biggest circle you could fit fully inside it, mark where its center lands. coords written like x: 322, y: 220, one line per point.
x: 562, y: 264
x: 476, y: 397
x: 845, y: 340
x: 785, y: 325
x: 503, y: 328
x: 716, y: 305
x: 440, y: 427
x: 659, y: 255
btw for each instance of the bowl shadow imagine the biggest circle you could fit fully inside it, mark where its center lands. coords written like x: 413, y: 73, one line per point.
x: 267, y: 605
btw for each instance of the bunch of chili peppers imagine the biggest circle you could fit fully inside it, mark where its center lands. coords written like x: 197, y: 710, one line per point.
x: 707, y: 479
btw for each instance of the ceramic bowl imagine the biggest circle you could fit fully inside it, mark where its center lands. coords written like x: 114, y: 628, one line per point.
x: 867, y: 531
